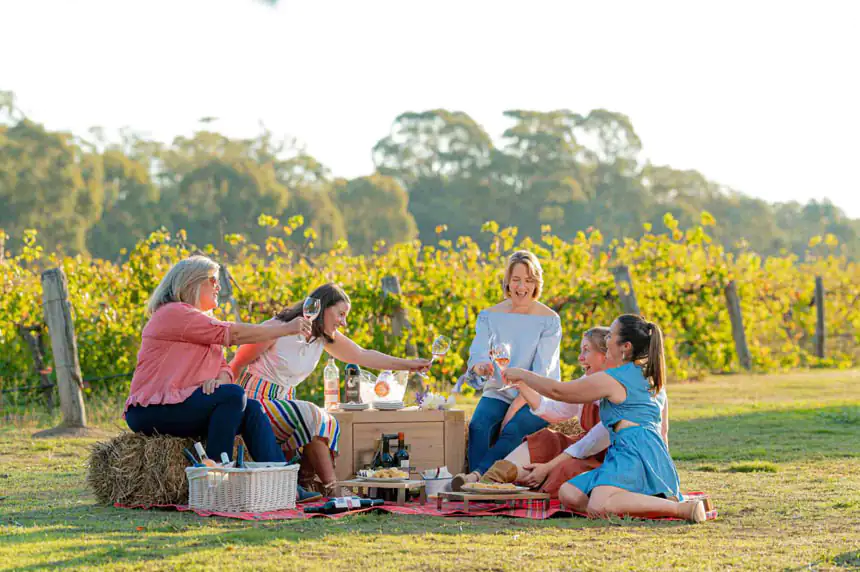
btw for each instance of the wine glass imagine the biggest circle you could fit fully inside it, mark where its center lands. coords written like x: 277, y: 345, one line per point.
x: 501, y: 354
x: 440, y: 347
x: 310, y: 309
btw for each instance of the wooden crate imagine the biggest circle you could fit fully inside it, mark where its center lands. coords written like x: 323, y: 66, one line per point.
x: 435, y: 438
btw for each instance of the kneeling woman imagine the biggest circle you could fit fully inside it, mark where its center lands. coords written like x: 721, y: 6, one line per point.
x: 275, y: 368
x: 638, y: 477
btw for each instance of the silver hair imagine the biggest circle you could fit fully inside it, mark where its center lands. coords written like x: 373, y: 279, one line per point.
x: 182, y: 283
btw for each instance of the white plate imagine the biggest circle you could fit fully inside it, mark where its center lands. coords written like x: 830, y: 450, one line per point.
x: 354, y: 406
x: 384, y: 480
x: 476, y: 488
x: 381, y: 405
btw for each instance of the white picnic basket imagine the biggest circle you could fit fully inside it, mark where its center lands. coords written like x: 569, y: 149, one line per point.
x: 259, y: 487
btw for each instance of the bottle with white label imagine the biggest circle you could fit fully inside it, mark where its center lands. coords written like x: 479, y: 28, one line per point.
x: 343, y: 504
x: 401, y: 457
x: 331, y: 385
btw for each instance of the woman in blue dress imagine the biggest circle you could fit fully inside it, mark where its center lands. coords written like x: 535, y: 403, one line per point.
x: 533, y: 333
x: 638, y: 477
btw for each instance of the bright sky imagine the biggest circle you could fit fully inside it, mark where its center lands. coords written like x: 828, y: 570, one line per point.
x: 761, y: 96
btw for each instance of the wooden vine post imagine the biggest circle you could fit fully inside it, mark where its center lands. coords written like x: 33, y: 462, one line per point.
x: 400, y: 324
x: 624, y: 287
x: 58, y: 317
x: 733, y: 302
x: 819, y: 317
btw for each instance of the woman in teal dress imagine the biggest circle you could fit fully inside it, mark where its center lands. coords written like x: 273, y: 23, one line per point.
x: 638, y: 477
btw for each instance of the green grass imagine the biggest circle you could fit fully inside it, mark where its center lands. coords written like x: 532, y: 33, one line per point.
x: 780, y: 455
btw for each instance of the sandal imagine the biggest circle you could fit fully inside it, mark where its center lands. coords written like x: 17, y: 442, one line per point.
x: 697, y: 513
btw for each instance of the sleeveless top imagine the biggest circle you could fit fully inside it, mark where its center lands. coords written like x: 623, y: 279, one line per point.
x: 640, y: 406
x: 288, y: 362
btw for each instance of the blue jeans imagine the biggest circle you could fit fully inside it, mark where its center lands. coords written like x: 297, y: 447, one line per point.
x: 486, y: 443
x: 218, y: 417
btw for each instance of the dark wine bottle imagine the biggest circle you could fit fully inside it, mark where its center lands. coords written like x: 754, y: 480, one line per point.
x: 401, y: 457
x: 343, y: 504
x: 387, y: 458
x: 376, y: 463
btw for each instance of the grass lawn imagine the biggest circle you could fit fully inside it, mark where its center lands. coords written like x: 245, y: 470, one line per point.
x: 780, y: 455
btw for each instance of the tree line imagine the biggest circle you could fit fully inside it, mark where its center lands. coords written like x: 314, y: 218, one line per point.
x: 438, y: 175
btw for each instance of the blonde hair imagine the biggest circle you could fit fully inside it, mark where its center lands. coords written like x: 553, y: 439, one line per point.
x: 597, y: 336
x: 533, y: 267
x: 182, y: 283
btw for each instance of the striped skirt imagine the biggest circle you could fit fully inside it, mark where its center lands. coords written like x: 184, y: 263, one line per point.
x: 295, y: 423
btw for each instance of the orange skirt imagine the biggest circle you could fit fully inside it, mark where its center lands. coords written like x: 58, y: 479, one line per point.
x: 546, y: 445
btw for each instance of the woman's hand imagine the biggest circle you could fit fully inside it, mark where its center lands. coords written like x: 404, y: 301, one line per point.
x: 418, y: 364
x: 515, y: 376
x: 483, y: 369
x: 300, y: 325
x: 210, y: 385
x: 538, y: 472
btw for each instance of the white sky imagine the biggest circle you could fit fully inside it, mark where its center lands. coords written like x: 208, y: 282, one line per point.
x: 761, y: 96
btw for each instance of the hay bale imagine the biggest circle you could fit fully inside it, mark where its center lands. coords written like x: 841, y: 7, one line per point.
x: 133, y: 469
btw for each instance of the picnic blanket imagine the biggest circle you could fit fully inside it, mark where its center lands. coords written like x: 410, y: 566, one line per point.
x: 519, y: 509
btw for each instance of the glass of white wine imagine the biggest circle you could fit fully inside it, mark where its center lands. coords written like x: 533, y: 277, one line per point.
x: 440, y: 347
x: 310, y: 310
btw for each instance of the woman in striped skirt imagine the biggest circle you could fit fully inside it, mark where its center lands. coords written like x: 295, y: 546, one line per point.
x: 275, y: 368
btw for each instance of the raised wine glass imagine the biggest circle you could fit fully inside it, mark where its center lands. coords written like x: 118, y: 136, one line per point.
x: 501, y: 354
x: 440, y: 347
x: 310, y: 310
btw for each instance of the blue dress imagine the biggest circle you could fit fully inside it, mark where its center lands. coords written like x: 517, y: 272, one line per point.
x: 637, y: 459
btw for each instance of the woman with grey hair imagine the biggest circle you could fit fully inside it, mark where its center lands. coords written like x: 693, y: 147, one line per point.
x: 182, y: 384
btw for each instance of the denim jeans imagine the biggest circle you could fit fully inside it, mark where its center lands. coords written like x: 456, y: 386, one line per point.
x: 218, y: 418
x: 486, y: 443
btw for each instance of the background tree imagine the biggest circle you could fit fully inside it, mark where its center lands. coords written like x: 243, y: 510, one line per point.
x: 375, y: 208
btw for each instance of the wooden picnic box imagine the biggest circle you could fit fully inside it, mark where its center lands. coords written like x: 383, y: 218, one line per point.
x: 435, y: 438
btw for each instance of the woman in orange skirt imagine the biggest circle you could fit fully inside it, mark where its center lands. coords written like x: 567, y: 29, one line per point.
x: 547, y: 459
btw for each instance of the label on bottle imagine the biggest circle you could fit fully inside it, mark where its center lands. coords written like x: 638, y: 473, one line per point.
x: 348, y: 503
x: 404, y: 464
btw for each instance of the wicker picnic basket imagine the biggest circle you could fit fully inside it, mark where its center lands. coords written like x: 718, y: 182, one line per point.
x: 259, y: 487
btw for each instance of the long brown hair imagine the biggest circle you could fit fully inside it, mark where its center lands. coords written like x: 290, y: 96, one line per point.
x: 647, y: 341
x: 328, y: 295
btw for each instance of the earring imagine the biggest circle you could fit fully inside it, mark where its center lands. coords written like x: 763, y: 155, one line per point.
x: 623, y: 356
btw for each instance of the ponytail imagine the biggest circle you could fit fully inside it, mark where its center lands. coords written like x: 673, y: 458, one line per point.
x: 647, y: 341
x: 655, y: 368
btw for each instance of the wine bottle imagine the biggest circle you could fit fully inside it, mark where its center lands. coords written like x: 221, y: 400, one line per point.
x: 192, y: 458
x: 401, y: 458
x: 240, y: 456
x: 376, y: 463
x: 352, y: 383
x: 331, y: 386
x: 202, y: 454
x: 343, y: 504
x: 387, y: 459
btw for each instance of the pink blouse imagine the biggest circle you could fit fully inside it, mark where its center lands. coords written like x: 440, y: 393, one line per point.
x: 181, y: 348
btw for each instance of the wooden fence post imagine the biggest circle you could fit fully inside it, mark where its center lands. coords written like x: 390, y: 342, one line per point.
x: 819, y: 317
x: 624, y: 287
x: 58, y: 317
x: 226, y: 292
x: 34, y: 336
x: 399, y: 323
x: 733, y: 302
